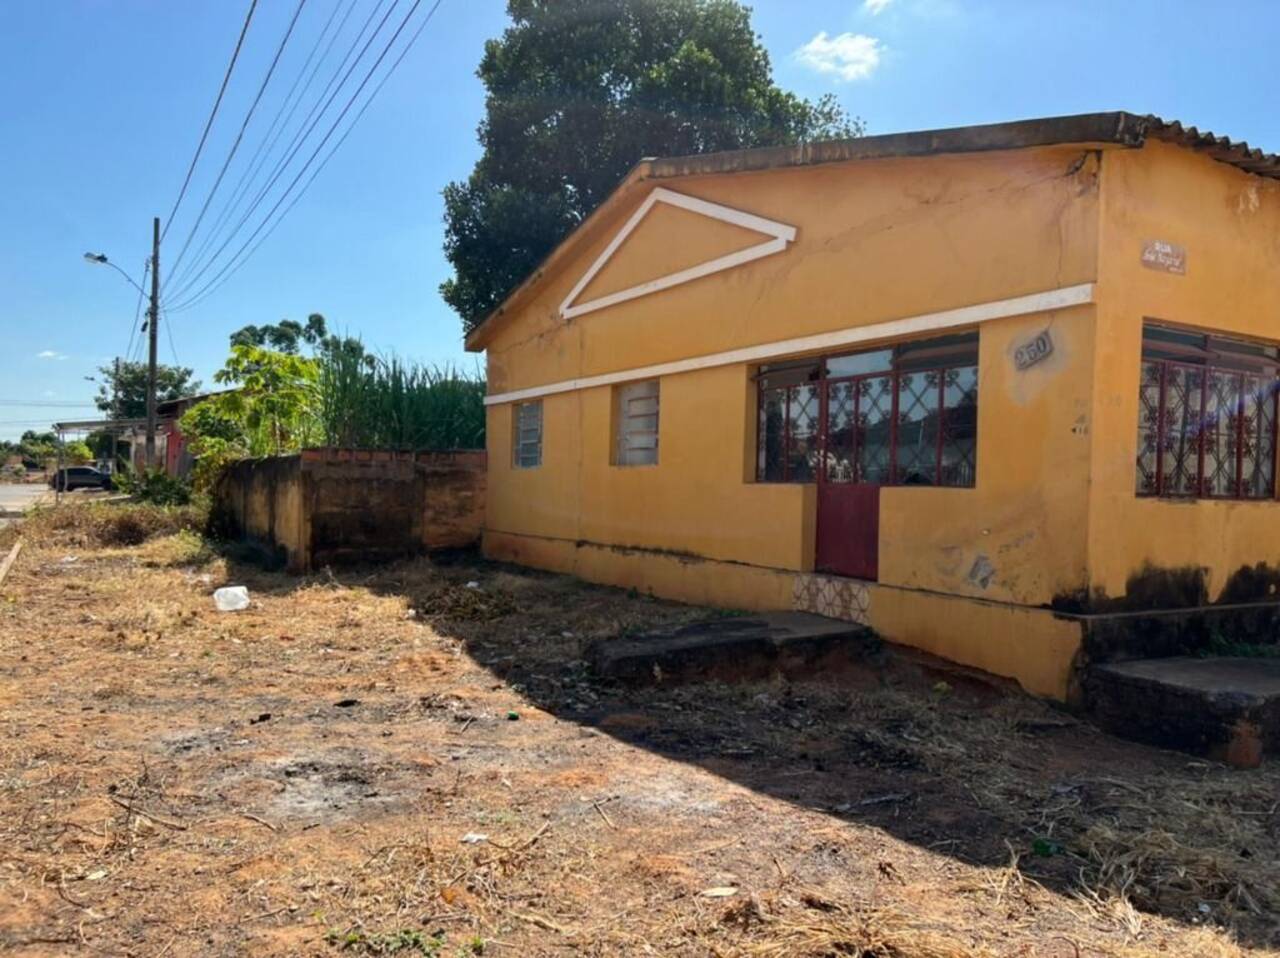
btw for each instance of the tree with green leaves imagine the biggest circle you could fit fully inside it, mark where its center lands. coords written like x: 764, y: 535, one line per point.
x: 286, y: 336
x: 38, y: 448
x: 216, y: 435
x: 269, y: 409
x: 578, y: 92
x: 77, y: 452
x: 122, y: 389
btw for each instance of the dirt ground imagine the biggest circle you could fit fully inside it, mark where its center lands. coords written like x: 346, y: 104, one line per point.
x: 389, y: 761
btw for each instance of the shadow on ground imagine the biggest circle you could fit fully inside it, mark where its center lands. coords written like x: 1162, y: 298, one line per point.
x: 931, y: 755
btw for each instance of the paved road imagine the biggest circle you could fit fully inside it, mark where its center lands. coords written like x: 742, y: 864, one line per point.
x: 15, y: 497
x: 18, y: 496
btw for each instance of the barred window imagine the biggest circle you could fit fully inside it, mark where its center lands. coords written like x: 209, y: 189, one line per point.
x: 637, y: 424
x: 901, y: 416
x: 526, y: 435
x: 787, y: 446
x: 1206, y: 416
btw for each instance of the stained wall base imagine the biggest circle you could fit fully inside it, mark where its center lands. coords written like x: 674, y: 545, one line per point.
x: 1035, y: 647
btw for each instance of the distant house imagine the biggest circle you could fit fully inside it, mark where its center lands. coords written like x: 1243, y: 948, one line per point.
x: 987, y: 389
x: 172, y: 454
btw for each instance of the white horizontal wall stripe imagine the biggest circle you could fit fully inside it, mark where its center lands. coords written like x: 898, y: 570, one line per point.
x: 1061, y: 298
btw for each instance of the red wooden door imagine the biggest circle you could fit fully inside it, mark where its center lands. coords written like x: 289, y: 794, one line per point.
x: 855, y: 454
x: 849, y: 529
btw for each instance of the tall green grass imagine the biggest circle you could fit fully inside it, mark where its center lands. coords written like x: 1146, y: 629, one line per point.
x: 368, y: 401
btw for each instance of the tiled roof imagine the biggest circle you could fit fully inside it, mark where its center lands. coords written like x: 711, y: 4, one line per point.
x: 1118, y: 128
x: 1222, y: 148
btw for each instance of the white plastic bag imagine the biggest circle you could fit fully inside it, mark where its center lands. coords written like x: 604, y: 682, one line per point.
x: 232, y: 598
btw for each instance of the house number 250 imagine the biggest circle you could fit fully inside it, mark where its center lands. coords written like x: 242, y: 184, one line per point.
x: 1037, y: 350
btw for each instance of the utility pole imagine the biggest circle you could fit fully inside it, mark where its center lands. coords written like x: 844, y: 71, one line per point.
x: 113, y: 459
x: 153, y: 325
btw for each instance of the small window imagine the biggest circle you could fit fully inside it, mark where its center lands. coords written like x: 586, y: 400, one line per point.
x: 1206, y: 416
x: 527, y: 435
x: 637, y: 424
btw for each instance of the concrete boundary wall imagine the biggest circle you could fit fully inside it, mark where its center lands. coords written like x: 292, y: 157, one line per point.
x: 340, y: 506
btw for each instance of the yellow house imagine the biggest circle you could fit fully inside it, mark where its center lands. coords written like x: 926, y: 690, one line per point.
x: 991, y: 391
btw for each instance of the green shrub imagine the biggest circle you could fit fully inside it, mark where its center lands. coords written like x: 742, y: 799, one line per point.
x: 154, y: 486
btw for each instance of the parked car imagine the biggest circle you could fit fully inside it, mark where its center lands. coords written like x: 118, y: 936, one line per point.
x: 80, y: 477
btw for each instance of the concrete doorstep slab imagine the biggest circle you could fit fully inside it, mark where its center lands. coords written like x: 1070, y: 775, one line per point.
x: 1225, y: 708
x: 735, y: 648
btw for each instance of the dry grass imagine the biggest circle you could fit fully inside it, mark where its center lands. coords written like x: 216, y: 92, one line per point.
x: 1170, y: 841
x: 182, y: 782
x: 103, y: 524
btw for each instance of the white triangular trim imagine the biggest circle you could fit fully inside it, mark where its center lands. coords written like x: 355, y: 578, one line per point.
x: 781, y: 235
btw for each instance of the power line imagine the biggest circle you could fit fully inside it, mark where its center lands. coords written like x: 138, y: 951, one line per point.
x: 137, y: 310
x: 50, y: 404
x: 25, y: 422
x: 248, y: 117
x: 323, y: 163
x: 277, y: 128
x: 212, y: 113
x: 235, y: 261
x: 168, y: 328
x: 309, y: 123
x: 136, y: 357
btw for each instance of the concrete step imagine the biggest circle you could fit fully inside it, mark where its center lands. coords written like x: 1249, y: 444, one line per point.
x: 1224, y: 708
x: 736, y: 648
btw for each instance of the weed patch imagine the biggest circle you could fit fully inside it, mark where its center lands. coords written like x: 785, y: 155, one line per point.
x: 82, y: 525
x: 405, y: 941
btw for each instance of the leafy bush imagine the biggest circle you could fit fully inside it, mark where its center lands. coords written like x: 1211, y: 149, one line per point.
x: 77, y: 452
x: 154, y: 486
x: 215, y: 437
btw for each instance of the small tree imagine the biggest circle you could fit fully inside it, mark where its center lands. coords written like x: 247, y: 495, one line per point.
x: 274, y: 397
x: 215, y: 437
x: 122, y: 391
x: 38, y: 448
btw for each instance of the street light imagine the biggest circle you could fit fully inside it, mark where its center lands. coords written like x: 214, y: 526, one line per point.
x: 153, y: 321
x: 100, y: 259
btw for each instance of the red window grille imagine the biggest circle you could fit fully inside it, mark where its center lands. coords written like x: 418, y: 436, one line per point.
x: 1206, y: 417
x: 788, y: 433
x: 906, y: 416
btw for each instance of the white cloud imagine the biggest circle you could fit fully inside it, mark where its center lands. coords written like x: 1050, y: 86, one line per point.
x: 875, y: 7
x: 50, y: 354
x: 849, y: 56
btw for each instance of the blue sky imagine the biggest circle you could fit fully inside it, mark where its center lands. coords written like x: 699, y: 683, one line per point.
x: 102, y: 101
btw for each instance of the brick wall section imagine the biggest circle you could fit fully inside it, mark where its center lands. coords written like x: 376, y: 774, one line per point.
x: 453, y: 512
x: 260, y: 501
x: 337, y: 506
